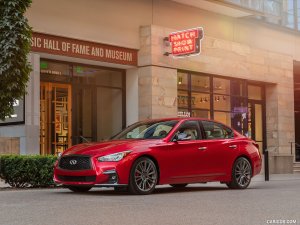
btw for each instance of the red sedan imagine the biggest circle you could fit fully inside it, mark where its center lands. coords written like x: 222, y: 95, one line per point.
x: 176, y: 151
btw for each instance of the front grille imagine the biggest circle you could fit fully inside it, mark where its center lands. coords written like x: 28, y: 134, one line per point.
x: 77, y: 178
x: 75, y: 162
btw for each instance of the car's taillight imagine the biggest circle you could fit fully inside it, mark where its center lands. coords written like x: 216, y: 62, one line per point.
x: 257, y: 146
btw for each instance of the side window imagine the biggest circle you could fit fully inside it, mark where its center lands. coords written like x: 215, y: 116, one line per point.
x: 189, y: 130
x: 216, y: 130
x: 162, y: 131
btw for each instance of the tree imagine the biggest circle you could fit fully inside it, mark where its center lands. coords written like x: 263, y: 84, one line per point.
x: 15, y: 39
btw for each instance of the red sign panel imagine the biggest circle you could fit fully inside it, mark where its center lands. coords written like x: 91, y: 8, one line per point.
x: 57, y: 45
x: 187, y: 42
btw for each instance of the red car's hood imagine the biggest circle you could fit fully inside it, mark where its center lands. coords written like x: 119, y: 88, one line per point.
x: 108, y: 147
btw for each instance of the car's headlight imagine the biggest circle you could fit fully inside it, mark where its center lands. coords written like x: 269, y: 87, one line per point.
x: 113, y: 157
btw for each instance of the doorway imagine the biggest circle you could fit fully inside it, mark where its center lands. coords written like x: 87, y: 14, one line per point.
x: 255, y: 123
x: 55, y: 117
x: 79, y: 103
x: 98, y: 103
x: 256, y: 115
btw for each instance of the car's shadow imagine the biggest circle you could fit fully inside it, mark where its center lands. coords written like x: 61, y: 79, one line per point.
x: 157, y: 191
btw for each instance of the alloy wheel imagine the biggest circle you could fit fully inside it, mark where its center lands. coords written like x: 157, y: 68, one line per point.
x: 243, y: 172
x: 144, y: 176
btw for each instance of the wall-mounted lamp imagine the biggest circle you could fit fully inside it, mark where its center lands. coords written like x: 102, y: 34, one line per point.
x: 166, y: 41
x: 167, y: 44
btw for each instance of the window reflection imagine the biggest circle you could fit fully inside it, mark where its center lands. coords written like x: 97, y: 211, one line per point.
x: 95, y: 76
x: 182, y: 99
x: 222, y: 102
x: 200, y: 83
x: 201, y: 113
x: 200, y: 100
x: 254, y: 92
x: 226, y: 100
x: 223, y: 117
x: 182, y: 81
x: 54, y: 68
x: 221, y: 86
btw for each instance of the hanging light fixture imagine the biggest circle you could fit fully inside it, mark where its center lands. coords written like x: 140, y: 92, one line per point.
x: 180, y: 80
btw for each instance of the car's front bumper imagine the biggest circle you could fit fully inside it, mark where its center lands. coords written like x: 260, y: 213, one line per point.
x: 101, y: 174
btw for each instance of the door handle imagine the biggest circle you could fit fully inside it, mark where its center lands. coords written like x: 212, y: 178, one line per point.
x: 202, y: 148
x: 232, y: 146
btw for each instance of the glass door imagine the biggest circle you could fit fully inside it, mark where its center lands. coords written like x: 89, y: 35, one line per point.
x: 98, y: 103
x: 55, y: 117
x: 98, y: 113
x: 255, y: 123
x: 84, y: 107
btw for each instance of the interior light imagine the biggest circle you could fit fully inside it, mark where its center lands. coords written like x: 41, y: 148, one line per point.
x: 179, y: 80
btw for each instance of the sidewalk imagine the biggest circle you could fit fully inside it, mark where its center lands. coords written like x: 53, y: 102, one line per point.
x: 277, y: 177
x: 258, y: 178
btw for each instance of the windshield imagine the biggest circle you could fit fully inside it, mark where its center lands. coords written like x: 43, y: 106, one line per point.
x: 147, y: 130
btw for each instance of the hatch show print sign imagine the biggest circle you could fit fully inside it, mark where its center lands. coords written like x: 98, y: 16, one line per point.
x: 186, y: 42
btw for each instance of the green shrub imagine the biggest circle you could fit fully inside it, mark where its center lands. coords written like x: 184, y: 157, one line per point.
x: 27, y: 171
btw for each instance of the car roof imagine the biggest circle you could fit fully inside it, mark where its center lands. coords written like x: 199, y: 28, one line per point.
x: 179, y: 119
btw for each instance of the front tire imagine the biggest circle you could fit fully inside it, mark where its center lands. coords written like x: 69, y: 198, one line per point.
x: 79, y: 189
x: 143, y: 176
x: 241, y: 174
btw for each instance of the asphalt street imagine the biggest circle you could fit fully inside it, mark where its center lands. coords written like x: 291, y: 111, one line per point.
x: 273, y: 202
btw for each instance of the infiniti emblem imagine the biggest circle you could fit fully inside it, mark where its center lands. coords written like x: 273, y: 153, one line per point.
x: 73, y: 162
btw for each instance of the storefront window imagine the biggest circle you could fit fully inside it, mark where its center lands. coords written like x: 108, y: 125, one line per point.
x: 95, y: 76
x: 183, y: 99
x: 18, y: 115
x: 182, y: 81
x: 200, y: 83
x: 200, y: 101
x: 201, y: 113
x: 223, y: 117
x: 194, y: 97
x: 238, y: 88
x: 254, y: 92
x: 55, y: 71
x: 239, y: 114
x: 222, y: 102
x: 233, y: 102
x: 221, y: 86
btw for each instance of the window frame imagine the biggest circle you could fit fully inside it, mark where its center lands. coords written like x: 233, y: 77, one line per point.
x: 222, y: 126
x: 201, y: 137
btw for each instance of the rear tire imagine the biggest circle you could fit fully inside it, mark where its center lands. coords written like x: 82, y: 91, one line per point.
x: 178, y: 185
x: 79, y: 189
x: 241, y: 174
x: 143, y: 176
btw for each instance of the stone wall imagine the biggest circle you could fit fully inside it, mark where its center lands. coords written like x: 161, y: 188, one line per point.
x: 9, y: 145
x: 157, y: 92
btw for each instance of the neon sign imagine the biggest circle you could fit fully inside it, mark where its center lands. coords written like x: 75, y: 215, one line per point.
x: 186, y: 42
